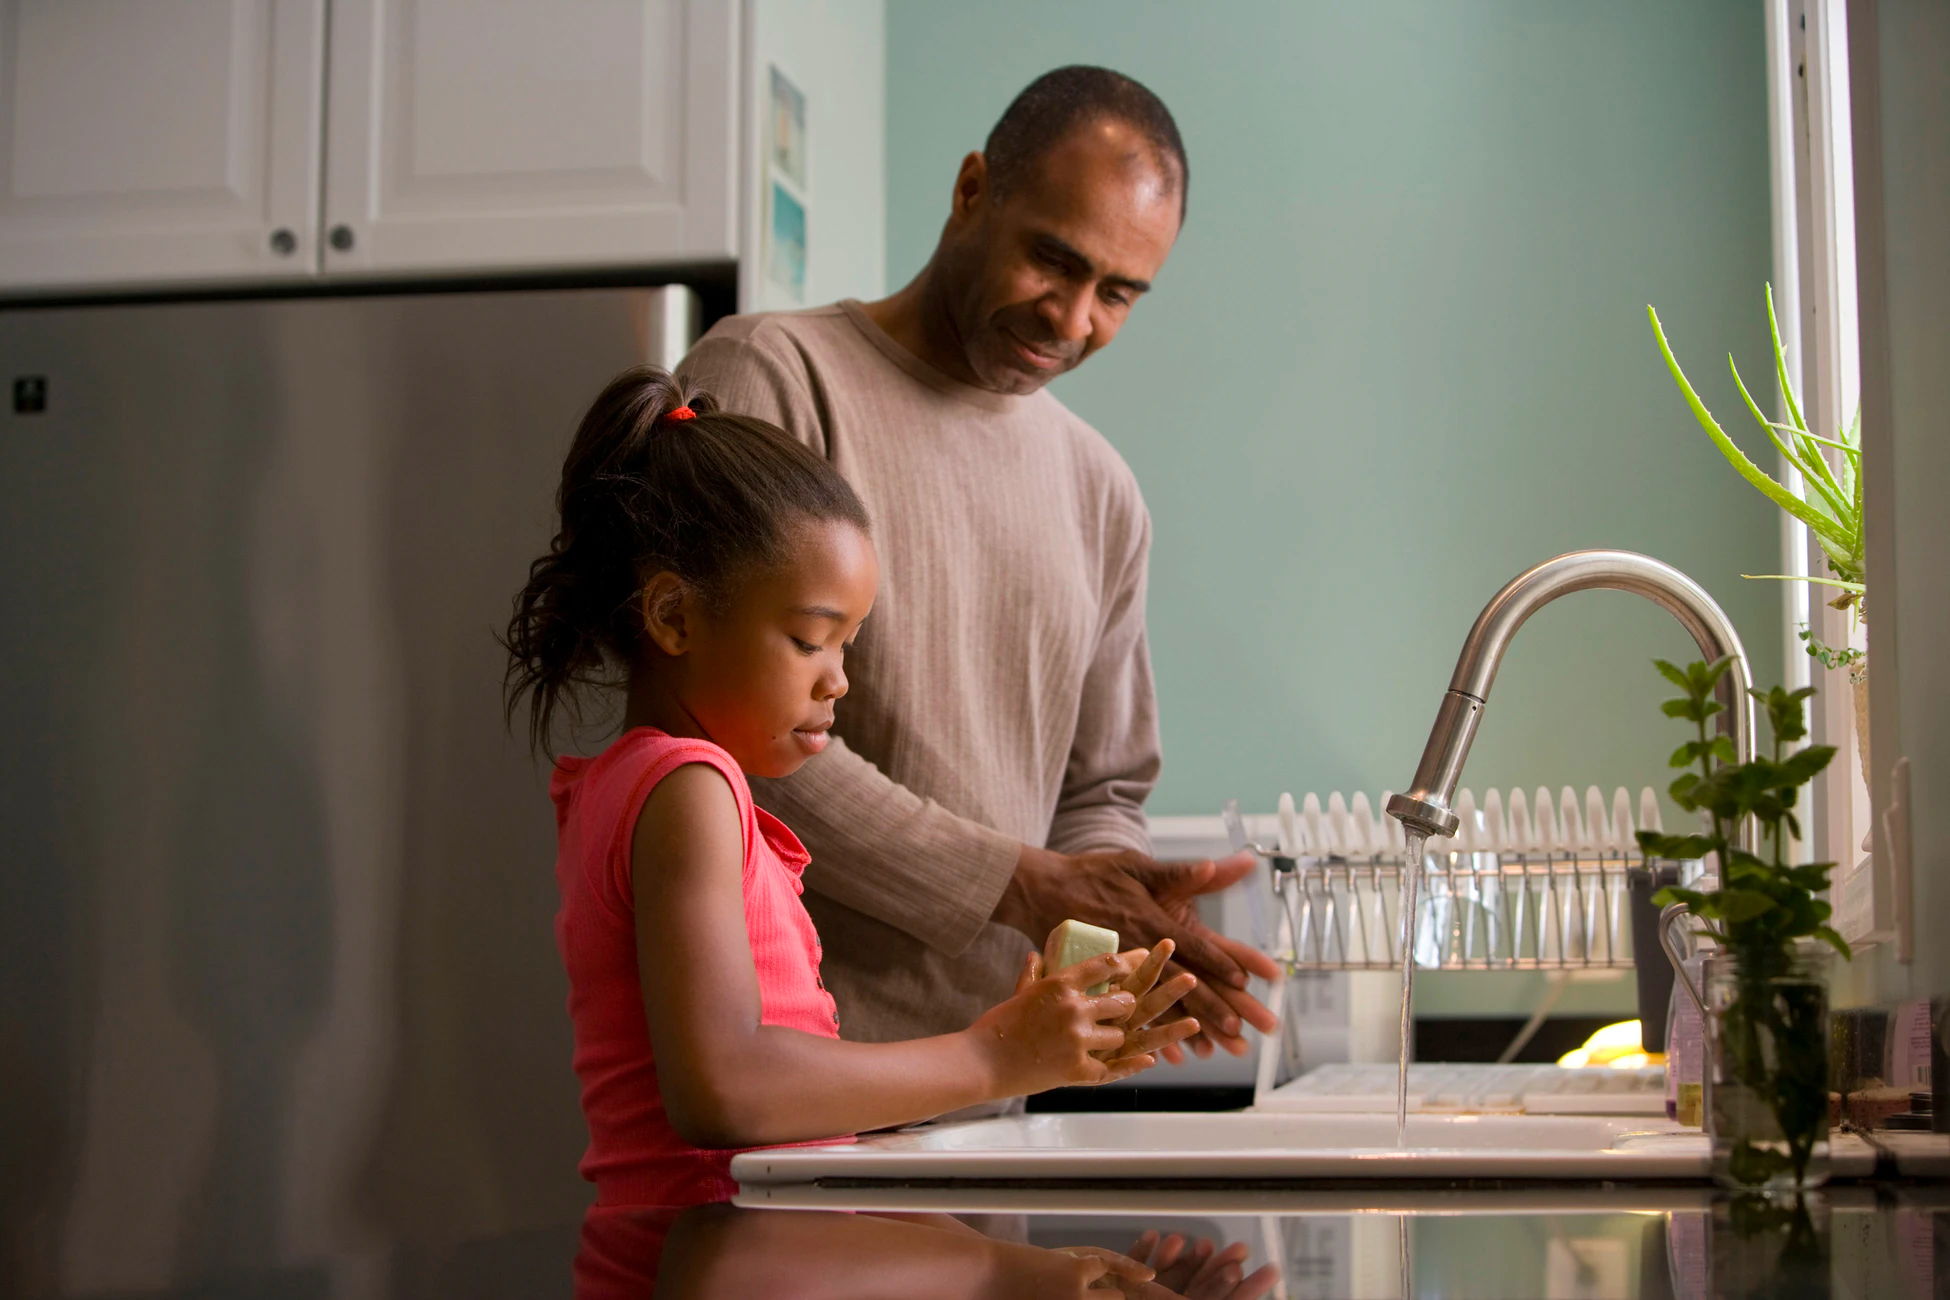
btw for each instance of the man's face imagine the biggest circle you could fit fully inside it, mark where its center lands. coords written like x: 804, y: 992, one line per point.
x: 1044, y: 275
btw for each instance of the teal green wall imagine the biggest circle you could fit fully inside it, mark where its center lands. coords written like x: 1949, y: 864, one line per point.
x: 1400, y: 354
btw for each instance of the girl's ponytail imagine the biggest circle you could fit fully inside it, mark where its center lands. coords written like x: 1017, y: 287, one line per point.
x: 701, y: 493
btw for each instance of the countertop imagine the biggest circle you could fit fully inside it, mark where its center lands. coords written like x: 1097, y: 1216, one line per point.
x: 1887, y: 1241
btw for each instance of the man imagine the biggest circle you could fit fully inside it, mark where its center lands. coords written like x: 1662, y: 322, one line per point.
x: 990, y: 764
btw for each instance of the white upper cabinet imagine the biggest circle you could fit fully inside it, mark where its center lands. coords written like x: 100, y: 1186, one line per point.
x: 150, y: 145
x: 469, y: 135
x: 152, y: 142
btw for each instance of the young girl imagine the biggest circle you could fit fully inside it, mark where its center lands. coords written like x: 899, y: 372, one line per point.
x: 716, y: 571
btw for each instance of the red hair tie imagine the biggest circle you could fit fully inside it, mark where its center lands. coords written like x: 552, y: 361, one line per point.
x: 682, y: 413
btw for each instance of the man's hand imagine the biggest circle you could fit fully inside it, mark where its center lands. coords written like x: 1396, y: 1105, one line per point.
x: 1145, y: 901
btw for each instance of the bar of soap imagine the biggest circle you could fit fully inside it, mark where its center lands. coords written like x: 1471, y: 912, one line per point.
x: 1072, y: 942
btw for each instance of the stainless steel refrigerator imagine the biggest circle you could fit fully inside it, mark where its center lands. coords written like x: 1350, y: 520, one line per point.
x: 277, y: 981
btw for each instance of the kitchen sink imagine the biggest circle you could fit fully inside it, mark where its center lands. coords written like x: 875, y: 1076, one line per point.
x: 1267, y: 1146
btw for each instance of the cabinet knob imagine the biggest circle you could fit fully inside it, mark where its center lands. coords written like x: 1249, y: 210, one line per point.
x: 341, y: 238
x: 283, y: 242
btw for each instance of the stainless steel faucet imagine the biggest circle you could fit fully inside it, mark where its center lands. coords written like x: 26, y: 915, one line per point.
x: 1427, y: 807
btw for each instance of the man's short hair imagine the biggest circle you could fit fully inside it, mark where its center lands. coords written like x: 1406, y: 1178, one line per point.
x: 1058, y: 102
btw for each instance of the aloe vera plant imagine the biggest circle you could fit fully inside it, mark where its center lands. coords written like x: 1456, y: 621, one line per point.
x: 1830, y: 500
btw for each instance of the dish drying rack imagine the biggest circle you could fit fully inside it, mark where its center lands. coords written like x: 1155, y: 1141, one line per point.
x: 1526, y: 883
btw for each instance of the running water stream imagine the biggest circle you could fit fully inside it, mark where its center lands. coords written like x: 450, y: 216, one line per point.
x: 1410, y: 883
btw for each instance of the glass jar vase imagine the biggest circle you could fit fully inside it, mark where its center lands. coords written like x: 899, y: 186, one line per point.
x: 1767, y: 1070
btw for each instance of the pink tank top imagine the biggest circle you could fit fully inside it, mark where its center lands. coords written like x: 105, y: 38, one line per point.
x: 635, y: 1157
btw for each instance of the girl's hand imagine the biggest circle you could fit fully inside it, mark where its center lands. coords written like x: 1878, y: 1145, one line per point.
x: 1106, y: 1270
x: 1045, y: 1036
x: 1141, y: 1036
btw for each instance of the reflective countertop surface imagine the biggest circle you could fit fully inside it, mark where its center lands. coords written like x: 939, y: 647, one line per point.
x: 1870, y: 1241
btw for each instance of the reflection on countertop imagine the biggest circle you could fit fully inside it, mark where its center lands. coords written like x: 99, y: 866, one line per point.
x: 725, y: 1250
x: 1501, y: 1243
x: 1888, y: 1241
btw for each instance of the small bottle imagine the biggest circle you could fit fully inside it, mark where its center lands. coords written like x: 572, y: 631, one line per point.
x: 1686, y: 1047
x: 1675, y: 996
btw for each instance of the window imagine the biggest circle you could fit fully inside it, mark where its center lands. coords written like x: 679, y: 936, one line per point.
x: 1815, y: 300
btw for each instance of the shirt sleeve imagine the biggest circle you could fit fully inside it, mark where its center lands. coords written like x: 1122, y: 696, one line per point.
x: 877, y: 847
x: 882, y: 850
x: 1115, y: 756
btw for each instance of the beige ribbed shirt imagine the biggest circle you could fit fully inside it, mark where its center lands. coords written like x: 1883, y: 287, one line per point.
x: 1000, y: 692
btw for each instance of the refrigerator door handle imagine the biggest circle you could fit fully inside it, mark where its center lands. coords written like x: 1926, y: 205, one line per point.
x: 669, y: 325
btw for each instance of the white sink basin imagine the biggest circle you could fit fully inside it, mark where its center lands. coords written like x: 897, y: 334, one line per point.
x: 1283, y: 1146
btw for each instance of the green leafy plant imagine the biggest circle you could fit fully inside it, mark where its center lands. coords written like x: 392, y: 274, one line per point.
x: 1771, y: 1033
x: 1828, y: 656
x: 1830, y: 499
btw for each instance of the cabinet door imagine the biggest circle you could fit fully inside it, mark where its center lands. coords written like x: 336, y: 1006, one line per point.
x: 468, y: 136
x: 158, y: 142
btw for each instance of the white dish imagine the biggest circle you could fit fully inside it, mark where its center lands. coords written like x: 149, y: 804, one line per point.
x: 1246, y: 1145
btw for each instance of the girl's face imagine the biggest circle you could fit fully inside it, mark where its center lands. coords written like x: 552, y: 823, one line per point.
x: 760, y: 675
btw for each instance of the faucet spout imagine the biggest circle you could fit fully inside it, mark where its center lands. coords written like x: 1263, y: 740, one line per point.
x: 1428, y: 804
